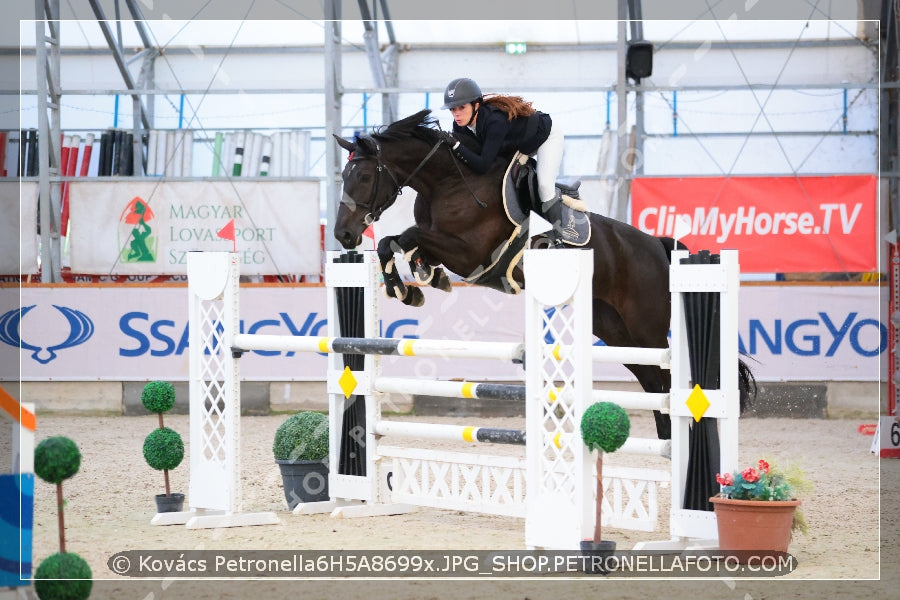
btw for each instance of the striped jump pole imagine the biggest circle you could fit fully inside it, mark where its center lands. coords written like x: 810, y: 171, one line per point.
x: 453, y: 433
x: 510, y: 391
x: 381, y: 346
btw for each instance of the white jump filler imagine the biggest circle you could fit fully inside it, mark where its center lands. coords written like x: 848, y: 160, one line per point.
x: 552, y: 485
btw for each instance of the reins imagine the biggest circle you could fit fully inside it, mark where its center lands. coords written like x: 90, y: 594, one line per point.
x: 463, y: 177
x: 374, y: 213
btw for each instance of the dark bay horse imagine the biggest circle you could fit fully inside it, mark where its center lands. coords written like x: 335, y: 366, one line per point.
x: 460, y: 223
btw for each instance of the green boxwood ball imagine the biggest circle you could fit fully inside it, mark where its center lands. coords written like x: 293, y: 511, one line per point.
x: 56, y: 459
x: 63, y: 576
x: 605, y: 426
x: 303, y: 436
x: 163, y: 449
x: 158, y: 396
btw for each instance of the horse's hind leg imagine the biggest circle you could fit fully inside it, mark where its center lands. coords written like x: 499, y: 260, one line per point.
x: 609, y: 327
x: 393, y: 283
x: 425, y: 272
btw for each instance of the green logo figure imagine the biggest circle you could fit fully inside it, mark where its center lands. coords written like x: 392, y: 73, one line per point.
x: 141, y: 245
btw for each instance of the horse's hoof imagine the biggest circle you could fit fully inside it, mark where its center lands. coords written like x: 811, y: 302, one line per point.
x: 423, y: 274
x: 395, y: 291
x: 441, y: 281
x: 414, y: 297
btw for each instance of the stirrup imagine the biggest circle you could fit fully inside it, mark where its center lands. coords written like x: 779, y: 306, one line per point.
x: 569, y: 188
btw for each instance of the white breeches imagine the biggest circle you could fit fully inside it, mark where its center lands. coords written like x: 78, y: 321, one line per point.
x: 549, y: 157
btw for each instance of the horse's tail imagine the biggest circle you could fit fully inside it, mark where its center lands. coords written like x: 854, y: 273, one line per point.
x: 746, y: 386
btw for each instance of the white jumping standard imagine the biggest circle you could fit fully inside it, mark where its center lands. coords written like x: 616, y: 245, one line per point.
x: 552, y: 485
x: 214, y: 489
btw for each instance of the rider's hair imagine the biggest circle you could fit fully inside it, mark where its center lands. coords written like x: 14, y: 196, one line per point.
x: 513, y: 106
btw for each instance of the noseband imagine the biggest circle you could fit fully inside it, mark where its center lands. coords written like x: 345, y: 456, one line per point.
x: 375, y: 211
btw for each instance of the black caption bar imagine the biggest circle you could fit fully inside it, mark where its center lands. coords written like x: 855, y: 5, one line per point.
x: 451, y: 563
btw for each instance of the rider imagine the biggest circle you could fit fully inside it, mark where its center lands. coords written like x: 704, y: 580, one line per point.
x: 503, y: 124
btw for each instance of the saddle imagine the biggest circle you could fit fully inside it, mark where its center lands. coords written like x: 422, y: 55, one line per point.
x: 566, y: 211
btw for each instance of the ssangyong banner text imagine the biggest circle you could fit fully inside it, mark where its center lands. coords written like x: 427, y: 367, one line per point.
x: 148, y: 227
x: 115, y: 333
x: 779, y: 224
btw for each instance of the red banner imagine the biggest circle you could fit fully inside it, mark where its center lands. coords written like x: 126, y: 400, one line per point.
x: 779, y: 224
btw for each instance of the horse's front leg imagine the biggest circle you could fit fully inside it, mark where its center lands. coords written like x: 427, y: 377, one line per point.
x: 393, y: 283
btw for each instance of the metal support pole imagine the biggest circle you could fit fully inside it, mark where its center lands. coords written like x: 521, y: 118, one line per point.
x: 333, y: 99
x: 47, y: 64
x: 623, y: 190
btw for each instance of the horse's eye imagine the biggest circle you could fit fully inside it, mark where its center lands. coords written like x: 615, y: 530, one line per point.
x: 365, y: 177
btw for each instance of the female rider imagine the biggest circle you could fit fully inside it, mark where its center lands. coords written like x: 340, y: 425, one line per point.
x: 503, y: 124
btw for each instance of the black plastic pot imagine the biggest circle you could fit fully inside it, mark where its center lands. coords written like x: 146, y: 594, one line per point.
x: 170, y: 503
x: 304, y: 481
x: 601, y: 551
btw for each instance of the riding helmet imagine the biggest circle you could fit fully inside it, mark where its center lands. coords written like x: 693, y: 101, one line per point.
x: 461, y: 90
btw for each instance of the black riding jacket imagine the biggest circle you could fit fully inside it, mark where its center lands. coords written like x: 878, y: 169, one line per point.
x: 498, y: 136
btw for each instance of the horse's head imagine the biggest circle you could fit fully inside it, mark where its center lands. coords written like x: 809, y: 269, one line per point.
x: 369, y: 189
x: 370, y: 185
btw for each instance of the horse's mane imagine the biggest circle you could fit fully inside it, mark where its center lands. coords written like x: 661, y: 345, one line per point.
x: 420, y: 125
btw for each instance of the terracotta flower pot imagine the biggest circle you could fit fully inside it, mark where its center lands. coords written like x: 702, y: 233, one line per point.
x: 754, y: 524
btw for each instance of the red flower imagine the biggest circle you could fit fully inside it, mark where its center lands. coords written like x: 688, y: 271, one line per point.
x: 763, y: 466
x: 725, y: 479
x: 750, y: 475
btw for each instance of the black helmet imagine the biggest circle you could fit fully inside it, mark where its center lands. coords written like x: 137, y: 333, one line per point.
x: 461, y: 90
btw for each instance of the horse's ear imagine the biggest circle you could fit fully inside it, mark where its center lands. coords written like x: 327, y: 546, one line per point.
x: 345, y: 144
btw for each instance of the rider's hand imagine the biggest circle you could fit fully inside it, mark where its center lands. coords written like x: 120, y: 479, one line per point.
x: 449, y: 139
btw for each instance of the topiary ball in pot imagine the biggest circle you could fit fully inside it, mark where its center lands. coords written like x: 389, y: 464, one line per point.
x: 605, y: 426
x: 301, y: 451
x: 56, y: 459
x: 158, y: 396
x: 163, y: 449
x: 303, y: 436
x: 63, y: 576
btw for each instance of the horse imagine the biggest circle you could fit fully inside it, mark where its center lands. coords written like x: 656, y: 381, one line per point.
x: 461, y: 224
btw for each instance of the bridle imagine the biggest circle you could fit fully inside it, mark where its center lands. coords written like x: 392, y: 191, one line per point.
x: 374, y: 213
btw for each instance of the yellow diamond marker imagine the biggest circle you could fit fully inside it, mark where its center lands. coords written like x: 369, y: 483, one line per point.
x: 557, y: 352
x: 697, y: 402
x: 347, y: 382
x: 554, y: 394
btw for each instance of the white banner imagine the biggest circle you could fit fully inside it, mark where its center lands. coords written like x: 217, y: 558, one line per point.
x: 18, y: 227
x: 97, y: 332
x: 148, y: 227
